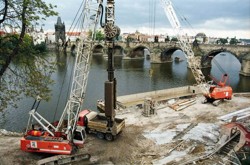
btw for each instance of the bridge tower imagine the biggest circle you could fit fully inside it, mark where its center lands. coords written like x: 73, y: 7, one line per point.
x: 60, y: 31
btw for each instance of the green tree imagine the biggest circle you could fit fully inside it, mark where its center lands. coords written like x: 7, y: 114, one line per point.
x: 23, y: 13
x: 174, y: 39
x: 222, y: 41
x: 22, y: 71
x: 100, y: 35
x: 233, y: 41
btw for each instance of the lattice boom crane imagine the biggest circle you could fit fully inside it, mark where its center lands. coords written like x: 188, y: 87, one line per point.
x: 63, y: 136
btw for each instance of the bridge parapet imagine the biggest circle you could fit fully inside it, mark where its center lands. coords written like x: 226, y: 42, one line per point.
x: 237, y: 50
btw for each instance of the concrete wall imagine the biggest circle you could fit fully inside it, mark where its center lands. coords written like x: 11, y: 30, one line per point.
x: 138, y: 98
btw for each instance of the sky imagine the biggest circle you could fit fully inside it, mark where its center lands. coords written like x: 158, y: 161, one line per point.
x: 215, y: 18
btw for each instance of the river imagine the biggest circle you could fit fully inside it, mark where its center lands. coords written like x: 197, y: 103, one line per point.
x: 132, y: 77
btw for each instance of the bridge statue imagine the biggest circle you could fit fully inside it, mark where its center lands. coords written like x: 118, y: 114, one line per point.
x: 60, y: 31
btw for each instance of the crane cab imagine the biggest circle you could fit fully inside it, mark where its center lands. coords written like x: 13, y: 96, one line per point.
x: 79, y: 136
x: 217, y: 92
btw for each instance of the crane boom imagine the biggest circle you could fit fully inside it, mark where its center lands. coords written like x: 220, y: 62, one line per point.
x: 185, y: 46
x: 81, y: 68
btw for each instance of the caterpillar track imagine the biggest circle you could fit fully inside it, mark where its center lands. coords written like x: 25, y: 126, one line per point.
x: 64, y: 159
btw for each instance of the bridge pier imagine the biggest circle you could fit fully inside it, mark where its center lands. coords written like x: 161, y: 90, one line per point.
x: 245, y: 65
x: 155, y: 58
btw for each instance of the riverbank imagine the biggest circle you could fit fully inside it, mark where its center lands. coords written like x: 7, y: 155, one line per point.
x: 166, y: 137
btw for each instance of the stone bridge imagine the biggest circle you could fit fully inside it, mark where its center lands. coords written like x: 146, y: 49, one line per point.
x: 161, y: 52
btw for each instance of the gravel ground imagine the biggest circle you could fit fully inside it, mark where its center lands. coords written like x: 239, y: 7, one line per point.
x: 145, y: 140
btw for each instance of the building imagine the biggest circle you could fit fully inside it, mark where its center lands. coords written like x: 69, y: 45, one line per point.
x: 201, y: 38
x: 38, y: 36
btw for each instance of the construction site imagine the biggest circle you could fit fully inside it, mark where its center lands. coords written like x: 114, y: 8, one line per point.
x: 192, y: 135
x: 201, y: 124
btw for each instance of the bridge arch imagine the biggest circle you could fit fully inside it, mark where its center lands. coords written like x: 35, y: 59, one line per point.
x: 138, y: 51
x: 118, y: 50
x: 207, y: 59
x: 98, y: 49
x: 166, y: 54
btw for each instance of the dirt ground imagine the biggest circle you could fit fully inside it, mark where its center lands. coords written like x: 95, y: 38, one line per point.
x: 165, y: 138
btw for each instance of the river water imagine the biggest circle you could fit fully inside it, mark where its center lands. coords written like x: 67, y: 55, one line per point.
x: 132, y: 77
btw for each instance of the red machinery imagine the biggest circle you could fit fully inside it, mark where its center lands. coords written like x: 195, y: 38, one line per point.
x: 242, y: 148
x: 64, y: 136
x: 219, y: 90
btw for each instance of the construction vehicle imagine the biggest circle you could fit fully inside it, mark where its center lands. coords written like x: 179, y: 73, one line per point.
x: 64, y: 136
x: 211, y: 92
x: 97, y: 123
x: 219, y: 90
x: 106, y: 125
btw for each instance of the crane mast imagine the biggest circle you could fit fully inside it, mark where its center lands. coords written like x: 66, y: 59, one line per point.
x: 81, y: 68
x: 185, y: 46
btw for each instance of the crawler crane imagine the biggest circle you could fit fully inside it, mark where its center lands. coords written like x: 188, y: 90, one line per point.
x: 64, y: 136
x: 211, y: 92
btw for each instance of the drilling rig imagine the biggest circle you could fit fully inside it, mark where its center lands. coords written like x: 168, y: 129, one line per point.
x: 106, y: 126
x: 111, y: 32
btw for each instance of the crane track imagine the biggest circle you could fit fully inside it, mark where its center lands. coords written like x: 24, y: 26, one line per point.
x: 224, y: 151
x: 64, y: 159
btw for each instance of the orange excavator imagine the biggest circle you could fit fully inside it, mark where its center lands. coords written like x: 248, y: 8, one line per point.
x: 219, y: 90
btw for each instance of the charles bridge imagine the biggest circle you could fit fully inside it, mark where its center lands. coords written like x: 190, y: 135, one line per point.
x: 161, y: 52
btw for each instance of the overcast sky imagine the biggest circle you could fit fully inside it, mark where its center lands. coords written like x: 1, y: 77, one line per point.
x: 216, y: 18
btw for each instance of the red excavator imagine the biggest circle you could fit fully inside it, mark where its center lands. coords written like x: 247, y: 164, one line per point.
x: 219, y: 90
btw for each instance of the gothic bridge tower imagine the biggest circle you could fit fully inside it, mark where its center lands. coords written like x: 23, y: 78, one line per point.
x: 60, y: 31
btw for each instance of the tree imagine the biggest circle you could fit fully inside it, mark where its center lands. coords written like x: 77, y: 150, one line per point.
x: 22, y: 14
x: 222, y: 41
x: 100, y: 35
x: 174, y: 39
x: 167, y: 39
x: 22, y: 70
x: 3, y: 10
x: 233, y: 41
